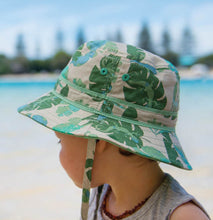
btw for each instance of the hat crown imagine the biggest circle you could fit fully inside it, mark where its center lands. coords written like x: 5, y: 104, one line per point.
x: 123, y: 80
x: 117, y: 93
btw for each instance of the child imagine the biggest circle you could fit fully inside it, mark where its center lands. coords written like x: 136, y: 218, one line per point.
x: 114, y: 109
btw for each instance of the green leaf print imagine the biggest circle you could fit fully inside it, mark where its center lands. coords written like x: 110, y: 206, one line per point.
x: 94, y: 45
x: 89, y: 174
x: 155, y: 122
x: 153, y: 153
x: 101, y: 83
x: 69, y: 127
x: 135, y: 53
x: 85, y: 196
x: 79, y: 83
x: 43, y: 102
x: 56, y: 84
x: 130, y: 112
x: 172, y: 154
x: 89, y: 163
x: 76, y: 55
x: 107, y: 106
x: 65, y: 71
x: 78, y: 59
x: 175, y: 101
x: 129, y: 134
x: 111, y: 46
x: 66, y: 110
x: 65, y: 91
x: 120, y: 131
x: 146, y: 89
x: 88, y: 166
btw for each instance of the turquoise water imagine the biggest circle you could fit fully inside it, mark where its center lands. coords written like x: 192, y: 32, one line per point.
x: 33, y: 184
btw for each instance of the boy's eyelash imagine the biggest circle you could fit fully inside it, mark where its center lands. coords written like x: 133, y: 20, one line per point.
x: 59, y: 141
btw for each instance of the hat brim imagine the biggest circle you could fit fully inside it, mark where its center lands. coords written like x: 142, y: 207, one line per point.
x: 60, y: 115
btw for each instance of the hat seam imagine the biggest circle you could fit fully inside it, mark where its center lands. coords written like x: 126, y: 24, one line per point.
x: 88, y: 109
x: 148, y: 132
x: 110, y: 98
x: 118, y: 109
x: 119, y: 119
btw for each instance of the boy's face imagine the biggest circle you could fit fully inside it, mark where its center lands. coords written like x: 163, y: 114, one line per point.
x: 72, y: 156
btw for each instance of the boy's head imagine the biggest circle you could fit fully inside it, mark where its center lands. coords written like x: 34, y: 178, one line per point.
x: 118, y: 93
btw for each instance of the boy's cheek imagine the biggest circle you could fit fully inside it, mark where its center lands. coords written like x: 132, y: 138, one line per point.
x: 62, y: 159
x: 73, y: 171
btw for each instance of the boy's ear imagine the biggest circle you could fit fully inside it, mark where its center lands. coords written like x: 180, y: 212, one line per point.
x: 101, y: 146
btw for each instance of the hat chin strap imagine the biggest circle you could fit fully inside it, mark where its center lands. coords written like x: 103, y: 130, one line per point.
x: 87, y: 178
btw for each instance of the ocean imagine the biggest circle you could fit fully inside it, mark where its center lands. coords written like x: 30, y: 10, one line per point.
x: 35, y: 186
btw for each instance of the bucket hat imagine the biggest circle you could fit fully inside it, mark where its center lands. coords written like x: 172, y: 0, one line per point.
x: 118, y: 93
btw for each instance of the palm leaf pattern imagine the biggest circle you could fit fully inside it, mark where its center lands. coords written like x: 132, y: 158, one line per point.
x: 135, y: 53
x: 43, y: 102
x: 120, y: 131
x: 102, y: 83
x: 78, y: 59
x: 145, y: 88
x: 171, y: 151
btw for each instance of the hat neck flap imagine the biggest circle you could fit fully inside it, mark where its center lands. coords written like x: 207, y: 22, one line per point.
x: 87, y: 178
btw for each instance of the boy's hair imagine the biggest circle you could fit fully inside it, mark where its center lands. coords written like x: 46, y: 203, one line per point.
x: 125, y: 153
x: 121, y: 151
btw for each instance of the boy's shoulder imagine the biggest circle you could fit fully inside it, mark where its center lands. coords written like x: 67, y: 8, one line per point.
x: 190, y: 209
x: 187, y: 211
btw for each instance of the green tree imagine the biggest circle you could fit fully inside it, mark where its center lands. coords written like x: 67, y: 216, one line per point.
x: 20, y: 46
x: 168, y: 54
x: 37, y: 50
x: 118, y: 36
x: 59, y: 40
x: 4, y: 65
x: 208, y: 60
x: 187, y: 42
x: 20, y: 64
x: 145, y: 41
x: 80, y: 37
x: 40, y: 65
x: 59, y: 60
x: 166, y: 41
x: 172, y: 57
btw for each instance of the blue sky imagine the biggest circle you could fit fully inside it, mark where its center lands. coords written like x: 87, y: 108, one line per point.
x: 38, y: 21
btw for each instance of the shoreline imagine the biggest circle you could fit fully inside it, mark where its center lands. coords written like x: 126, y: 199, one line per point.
x: 30, y: 77
x: 185, y: 74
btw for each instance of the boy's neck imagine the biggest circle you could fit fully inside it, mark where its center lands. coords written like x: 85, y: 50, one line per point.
x: 133, y: 186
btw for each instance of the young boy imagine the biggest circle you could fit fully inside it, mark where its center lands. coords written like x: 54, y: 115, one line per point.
x: 114, y: 110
